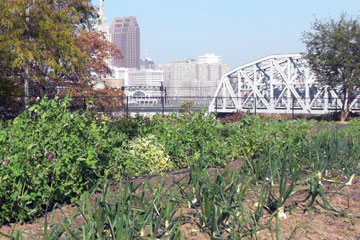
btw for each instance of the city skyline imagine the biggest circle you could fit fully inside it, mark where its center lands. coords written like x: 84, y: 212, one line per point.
x: 238, y: 31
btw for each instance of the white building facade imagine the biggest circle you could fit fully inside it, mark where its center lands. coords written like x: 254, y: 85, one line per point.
x: 179, y: 77
x: 193, y: 78
x: 210, y: 58
x: 146, y: 77
x: 119, y: 78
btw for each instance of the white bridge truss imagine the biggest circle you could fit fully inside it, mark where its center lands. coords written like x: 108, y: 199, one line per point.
x: 276, y: 84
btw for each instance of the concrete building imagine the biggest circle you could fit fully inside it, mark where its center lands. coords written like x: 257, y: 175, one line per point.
x: 209, y: 71
x: 147, y: 63
x: 144, y: 86
x: 193, y: 78
x: 209, y: 58
x: 119, y: 79
x: 120, y: 76
x: 146, y: 77
x: 126, y: 36
x: 101, y: 26
x: 180, y: 77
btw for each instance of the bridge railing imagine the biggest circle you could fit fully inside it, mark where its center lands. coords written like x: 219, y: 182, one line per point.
x: 11, y: 106
x: 130, y: 106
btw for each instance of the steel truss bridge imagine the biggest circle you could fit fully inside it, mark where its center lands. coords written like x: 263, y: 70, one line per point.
x: 280, y: 84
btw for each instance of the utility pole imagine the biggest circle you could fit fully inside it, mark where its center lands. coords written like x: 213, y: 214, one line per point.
x: 162, y: 99
x: 26, y: 68
x: 26, y: 88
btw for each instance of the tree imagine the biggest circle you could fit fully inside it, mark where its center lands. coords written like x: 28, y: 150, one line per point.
x: 186, y: 106
x: 333, y: 53
x: 50, y: 44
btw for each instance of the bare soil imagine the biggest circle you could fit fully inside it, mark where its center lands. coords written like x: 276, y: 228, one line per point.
x: 314, y: 224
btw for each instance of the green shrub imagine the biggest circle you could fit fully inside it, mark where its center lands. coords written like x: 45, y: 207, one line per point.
x: 48, y: 155
x: 131, y: 127
x: 251, y: 136
x: 190, y: 137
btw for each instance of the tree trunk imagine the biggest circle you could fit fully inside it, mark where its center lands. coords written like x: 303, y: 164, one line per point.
x: 26, y: 88
x: 344, y: 114
x: 346, y: 106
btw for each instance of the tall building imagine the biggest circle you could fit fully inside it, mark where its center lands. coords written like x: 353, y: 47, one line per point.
x: 193, y: 78
x: 101, y: 23
x: 209, y: 71
x: 180, y: 77
x: 126, y: 36
x: 102, y: 27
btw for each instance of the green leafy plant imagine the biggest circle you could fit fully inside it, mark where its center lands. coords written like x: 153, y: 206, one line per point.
x: 49, y: 155
x: 128, y: 215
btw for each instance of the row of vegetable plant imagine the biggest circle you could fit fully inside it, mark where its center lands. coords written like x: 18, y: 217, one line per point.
x: 50, y: 155
x: 230, y: 205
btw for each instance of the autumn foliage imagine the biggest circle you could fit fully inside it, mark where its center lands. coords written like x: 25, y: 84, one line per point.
x: 51, y: 45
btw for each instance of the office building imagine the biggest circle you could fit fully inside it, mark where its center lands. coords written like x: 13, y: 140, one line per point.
x: 180, y: 77
x: 147, y: 63
x: 126, y: 36
x: 193, y: 78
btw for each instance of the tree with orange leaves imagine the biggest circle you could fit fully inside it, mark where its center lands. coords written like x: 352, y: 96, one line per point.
x: 50, y: 45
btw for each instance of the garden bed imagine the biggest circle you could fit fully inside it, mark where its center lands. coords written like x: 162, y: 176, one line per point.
x: 314, y: 223
x: 184, y: 183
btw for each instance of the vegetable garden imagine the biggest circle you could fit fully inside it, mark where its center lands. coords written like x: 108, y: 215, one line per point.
x: 51, y: 156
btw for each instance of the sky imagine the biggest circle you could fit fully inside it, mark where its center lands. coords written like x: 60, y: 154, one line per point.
x: 239, y: 31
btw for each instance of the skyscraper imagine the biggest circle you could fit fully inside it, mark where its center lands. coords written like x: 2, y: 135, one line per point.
x: 126, y: 36
x: 101, y: 22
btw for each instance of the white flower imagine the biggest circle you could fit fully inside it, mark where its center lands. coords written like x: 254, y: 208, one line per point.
x: 349, y: 183
x: 282, y: 214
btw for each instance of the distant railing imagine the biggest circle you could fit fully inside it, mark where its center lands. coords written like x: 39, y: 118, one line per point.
x: 127, y: 106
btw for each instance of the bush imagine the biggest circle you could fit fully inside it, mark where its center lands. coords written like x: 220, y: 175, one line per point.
x: 190, y: 137
x: 48, y: 155
x: 252, y: 135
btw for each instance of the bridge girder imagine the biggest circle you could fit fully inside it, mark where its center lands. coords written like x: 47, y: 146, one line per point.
x: 276, y: 84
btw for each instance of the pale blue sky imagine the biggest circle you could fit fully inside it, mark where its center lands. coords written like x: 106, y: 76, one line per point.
x: 239, y: 31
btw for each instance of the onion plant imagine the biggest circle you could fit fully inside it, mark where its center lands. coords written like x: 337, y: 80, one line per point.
x: 150, y: 213
x: 219, y: 204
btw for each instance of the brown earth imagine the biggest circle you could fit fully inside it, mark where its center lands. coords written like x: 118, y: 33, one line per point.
x: 314, y: 224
